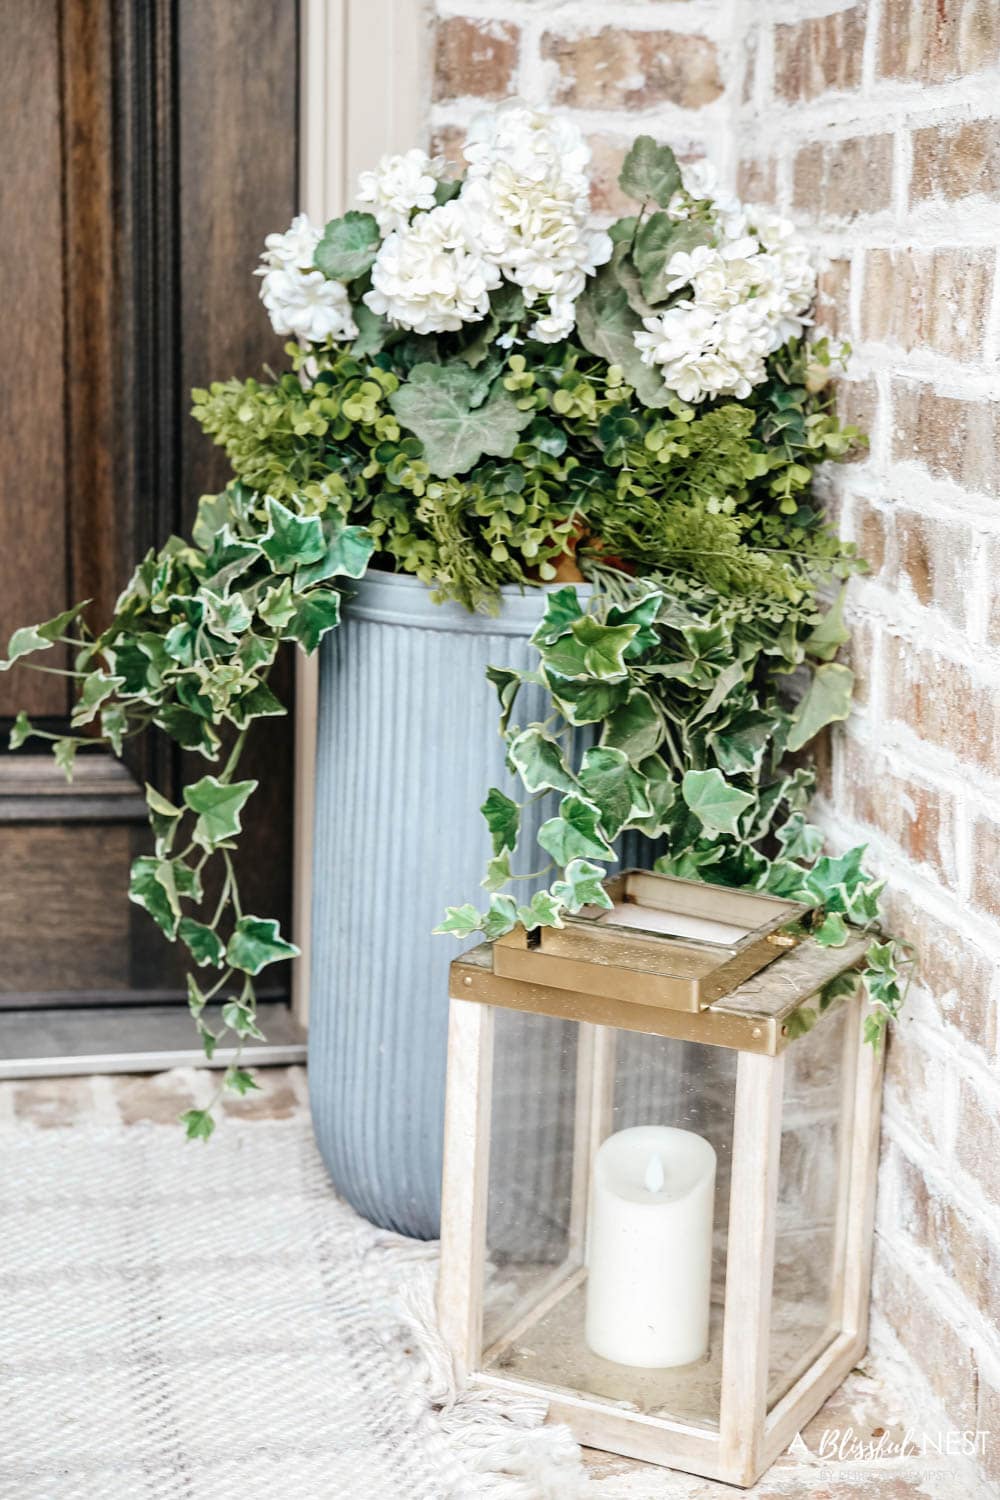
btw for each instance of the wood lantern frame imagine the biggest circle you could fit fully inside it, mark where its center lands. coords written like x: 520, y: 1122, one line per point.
x: 753, y: 1020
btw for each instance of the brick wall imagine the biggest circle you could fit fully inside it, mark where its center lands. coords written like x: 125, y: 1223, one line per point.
x: 877, y: 125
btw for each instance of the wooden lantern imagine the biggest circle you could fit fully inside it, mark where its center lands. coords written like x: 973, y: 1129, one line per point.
x: 690, y: 1294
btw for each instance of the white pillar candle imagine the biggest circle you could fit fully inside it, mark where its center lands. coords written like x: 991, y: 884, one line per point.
x: 649, y: 1258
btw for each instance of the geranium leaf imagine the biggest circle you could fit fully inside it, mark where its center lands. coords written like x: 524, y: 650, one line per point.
x: 650, y: 171
x: 657, y: 241
x: 503, y: 819
x: 290, y: 540
x: 827, y: 699
x: 715, y: 803
x: 218, y: 805
x: 255, y: 943
x: 606, y: 326
x: 438, y: 404
x: 348, y: 247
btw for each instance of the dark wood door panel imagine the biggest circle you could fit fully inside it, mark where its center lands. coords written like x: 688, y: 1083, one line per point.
x: 150, y: 145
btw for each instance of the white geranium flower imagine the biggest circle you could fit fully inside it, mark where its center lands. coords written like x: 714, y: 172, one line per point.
x: 432, y: 276
x: 300, y: 300
x: 742, y: 297
x: 292, y: 250
x: 397, y: 186
x: 527, y: 193
x: 308, y: 306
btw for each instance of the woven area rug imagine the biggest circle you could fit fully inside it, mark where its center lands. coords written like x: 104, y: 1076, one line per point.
x: 209, y: 1322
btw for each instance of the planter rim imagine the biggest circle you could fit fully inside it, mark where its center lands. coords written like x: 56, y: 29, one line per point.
x: 402, y: 599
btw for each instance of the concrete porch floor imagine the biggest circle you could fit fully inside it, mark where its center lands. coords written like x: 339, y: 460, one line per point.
x: 851, y: 1449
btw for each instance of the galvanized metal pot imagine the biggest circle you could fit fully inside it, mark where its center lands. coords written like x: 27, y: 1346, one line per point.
x: 408, y: 747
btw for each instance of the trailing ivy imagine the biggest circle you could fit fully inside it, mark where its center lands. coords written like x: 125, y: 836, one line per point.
x: 669, y: 722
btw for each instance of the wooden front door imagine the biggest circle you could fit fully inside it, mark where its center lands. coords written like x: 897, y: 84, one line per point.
x: 149, y: 146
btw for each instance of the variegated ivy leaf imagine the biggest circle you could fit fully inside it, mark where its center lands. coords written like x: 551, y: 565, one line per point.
x: 501, y: 917
x: 40, y: 637
x: 591, y: 650
x: 239, y: 1081
x: 614, y: 787
x: 575, y: 834
x: 198, y: 1124
x: 96, y: 689
x: 831, y: 633
x: 114, y: 725
x: 635, y: 727
x: 539, y: 762
x: 227, y: 618
x: 240, y: 1017
x: 291, y: 541
x: 827, y: 699
x: 203, y: 943
x: 229, y: 558
x: 544, y: 911
x: 832, y: 880
x: 832, y: 931
x: 157, y: 886
x: 190, y: 730
x: 562, y: 607
x: 278, y: 606
x: 739, y: 746
x: 218, y: 805
x: 642, y: 613
x: 503, y: 819
x: 196, y: 999
x: 316, y: 613
x: 21, y: 730
x: 64, y: 754
x: 164, y: 818
x: 715, y: 803
x: 255, y: 943
x: 347, y: 555
x: 460, y: 921
x: 582, y: 701
x: 582, y: 885
x: 258, y: 703
x: 497, y: 872
x: 507, y: 682
x: 661, y: 790
x: 799, y: 839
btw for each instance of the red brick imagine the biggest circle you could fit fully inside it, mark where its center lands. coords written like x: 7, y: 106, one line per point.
x: 873, y: 533
x: 606, y: 157
x: 618, y: 69
x: 959, y: 1246
x: 920, y: 820
x: 448, y: 142
x: 956, y: 161
x: 977, y: 1143
x: 942, y: 703
x: 917, y: 1084
x: 934, y: 559
x: 932, y: 40
x: 857, y: 401
x: 924, y: 299
x: 953, y: 438
x: 756, y: 180
x: 473, y: 57
x: 833, y: 298
x: 951, y: 970
x: 926, y: 1331
x: 815, y: 56
x: 842, y: 179
x: 986, y: 864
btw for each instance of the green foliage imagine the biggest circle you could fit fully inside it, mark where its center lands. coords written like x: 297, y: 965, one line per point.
x: 692, y: 755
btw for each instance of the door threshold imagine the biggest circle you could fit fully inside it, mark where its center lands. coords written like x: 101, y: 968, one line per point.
x: 149, y: 1039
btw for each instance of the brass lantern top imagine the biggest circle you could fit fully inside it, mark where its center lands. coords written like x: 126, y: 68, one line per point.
x: 673, y: 958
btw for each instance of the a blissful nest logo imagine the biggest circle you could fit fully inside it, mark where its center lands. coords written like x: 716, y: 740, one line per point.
x: 908, y: 1450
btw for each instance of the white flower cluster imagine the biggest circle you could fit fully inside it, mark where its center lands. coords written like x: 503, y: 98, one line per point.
x: 521, y: 213
x: 528, y: 188
x: 300, y: 300
x: 431, y: 276
x: 397, y: 186
x: 745, y: 297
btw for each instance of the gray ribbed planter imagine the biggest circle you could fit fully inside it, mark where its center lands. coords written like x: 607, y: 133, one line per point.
x: 408, y: 746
